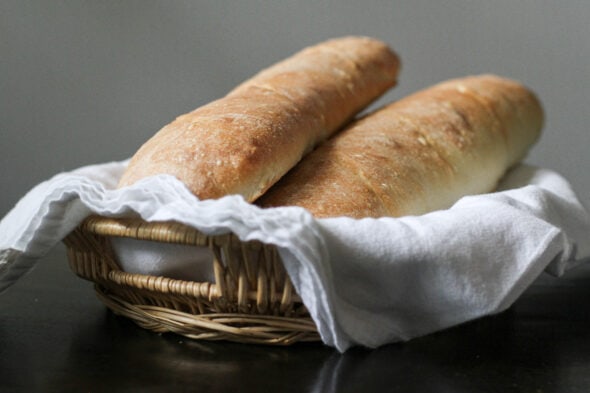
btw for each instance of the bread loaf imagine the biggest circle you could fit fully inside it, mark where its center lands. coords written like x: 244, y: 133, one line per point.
x: 245, y: 141
x: 418, y: 154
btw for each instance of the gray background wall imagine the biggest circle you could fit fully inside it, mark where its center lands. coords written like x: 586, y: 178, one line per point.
x: 84, y: 82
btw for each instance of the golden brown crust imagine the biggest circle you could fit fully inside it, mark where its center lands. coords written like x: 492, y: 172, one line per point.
x: 244, y: 142
x: 418, y: 154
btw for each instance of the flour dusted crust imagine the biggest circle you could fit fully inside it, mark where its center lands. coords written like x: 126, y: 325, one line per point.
x: 244, y: 142
x: 418, y: 154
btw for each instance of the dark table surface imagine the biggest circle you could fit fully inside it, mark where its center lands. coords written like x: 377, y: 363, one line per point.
x: 55, y: 336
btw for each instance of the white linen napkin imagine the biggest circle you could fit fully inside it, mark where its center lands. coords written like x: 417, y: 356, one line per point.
x: 365, y: 282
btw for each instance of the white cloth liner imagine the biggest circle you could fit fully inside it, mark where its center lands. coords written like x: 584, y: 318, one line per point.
x: 365, y: 282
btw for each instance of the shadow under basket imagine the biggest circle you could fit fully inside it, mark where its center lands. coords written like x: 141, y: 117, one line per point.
x: 251, y: 300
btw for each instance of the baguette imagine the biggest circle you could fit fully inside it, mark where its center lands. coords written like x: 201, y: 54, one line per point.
x: 244, y: 142
x: 419, y: 154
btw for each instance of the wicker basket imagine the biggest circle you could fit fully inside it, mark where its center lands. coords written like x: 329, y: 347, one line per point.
x: 252, y: 299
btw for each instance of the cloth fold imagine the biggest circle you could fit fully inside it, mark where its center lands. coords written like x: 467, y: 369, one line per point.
x: 365, y: 282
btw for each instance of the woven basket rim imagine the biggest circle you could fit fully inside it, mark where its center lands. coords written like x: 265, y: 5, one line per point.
x: 160, y: 231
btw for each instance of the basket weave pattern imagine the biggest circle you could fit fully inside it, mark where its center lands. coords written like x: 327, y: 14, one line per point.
x: 252, y: 299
